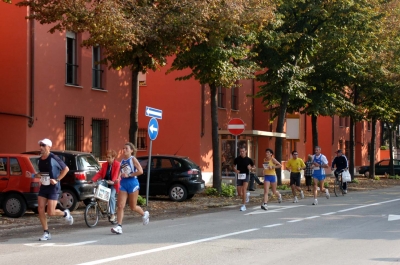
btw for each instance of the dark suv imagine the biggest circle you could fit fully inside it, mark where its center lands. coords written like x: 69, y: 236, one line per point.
x: 175, y: 176
x: 75, y: 187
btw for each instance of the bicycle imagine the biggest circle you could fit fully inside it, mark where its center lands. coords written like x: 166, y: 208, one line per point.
x: 97, y: 208
x: 338, y: 184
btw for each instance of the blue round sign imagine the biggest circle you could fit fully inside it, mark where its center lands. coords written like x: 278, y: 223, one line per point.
x: 153, y: 129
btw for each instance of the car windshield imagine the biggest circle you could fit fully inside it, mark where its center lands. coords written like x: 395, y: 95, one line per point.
x: 88, y: 161
x: 35, y: 162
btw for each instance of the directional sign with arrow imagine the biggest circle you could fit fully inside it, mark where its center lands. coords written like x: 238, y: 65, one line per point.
x: 153, y: 129
x: 154, y: 113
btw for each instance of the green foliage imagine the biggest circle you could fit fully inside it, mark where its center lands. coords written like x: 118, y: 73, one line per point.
x: 355, y: 180
x: 226, y: 191
x: 384, y: 147
x: 376, y: 178
x: 394, y: 177
x: 283, y: 187
x: 326, y: 185
x: 141, y: 201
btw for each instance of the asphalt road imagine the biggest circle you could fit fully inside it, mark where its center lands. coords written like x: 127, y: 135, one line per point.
x: 359, y: 228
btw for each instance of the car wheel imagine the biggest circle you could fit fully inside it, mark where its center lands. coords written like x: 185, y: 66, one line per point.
x: 366, y: 174
x: 68, y: 200
x: 14, y: 206
x: 177, y: 193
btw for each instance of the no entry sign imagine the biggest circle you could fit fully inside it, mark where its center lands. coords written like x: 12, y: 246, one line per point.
x: 236, y: 126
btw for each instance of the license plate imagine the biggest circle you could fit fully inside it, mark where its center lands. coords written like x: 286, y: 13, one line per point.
x: 202, y: 186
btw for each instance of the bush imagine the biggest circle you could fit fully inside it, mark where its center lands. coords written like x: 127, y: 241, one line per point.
x: 394, y: 177
x: 226, y: 191
x: 141, y: 201
x: 384, y: 147
x: 376, y: 178
x: 283, y: 187
x: 326, y: 185
x: 355, y: 180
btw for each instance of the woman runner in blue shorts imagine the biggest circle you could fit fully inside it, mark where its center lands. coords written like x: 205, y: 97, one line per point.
x: 269, y: 165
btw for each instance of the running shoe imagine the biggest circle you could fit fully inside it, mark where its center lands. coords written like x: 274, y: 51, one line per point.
x: 295, y: 199
x: 264, y: 207
x: 116, y: 230
x: 280, y: 198
x: 301, y: 194
x: 315, y: 202
x: 327, y: 194
x: 243, y: 208
x: 247, y: 197
x: 46, y: 236
x: 68, y: 217
x: 345, y: 191
x: 145, y: 218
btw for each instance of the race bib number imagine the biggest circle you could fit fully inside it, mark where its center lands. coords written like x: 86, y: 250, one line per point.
x: 126, y: 169
x: 317, y: 168
x: 241, y: 176
x: 45, y: 179
x: 266, y: 165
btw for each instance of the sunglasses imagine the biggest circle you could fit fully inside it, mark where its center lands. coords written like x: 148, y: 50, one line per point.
x: 42, y: 145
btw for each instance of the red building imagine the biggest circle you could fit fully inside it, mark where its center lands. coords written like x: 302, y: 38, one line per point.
x: 52, y: 87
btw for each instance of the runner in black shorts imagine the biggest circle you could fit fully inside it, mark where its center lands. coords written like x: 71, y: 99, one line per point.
x: 51, y: 170
x: 243, y: 164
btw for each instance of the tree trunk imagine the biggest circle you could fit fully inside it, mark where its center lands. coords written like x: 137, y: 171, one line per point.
x: 314, y: 123
x: 215, y: 140
x: 279, y: 141
x: 372, y: 153
x: 134, y: 121
x: 352, y: 146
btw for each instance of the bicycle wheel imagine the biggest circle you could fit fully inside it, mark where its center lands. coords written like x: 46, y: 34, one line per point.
x: 91, y: 215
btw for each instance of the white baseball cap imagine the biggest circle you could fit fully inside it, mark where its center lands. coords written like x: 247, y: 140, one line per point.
x: 46, y: 142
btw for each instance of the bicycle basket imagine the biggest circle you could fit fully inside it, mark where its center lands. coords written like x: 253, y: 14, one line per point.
x: 102, y: 192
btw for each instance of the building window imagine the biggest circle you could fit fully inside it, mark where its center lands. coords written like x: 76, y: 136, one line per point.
x: 71, y: 77
x: 142, y: 139
x: 97, y: 72
x: 221, y: 97
x: 341, y: 121
x: 347, y: 148
x: 347, y: 121
x: 369, y: 125
x: 99, y: 138
x: 369, y: 151
x: 235, y: 98
x: 73, y: 133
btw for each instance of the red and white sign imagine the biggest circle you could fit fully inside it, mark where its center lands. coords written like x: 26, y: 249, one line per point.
x: 236, y: 126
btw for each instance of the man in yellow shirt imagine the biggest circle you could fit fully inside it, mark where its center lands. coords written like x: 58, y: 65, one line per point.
x: 294, y: 166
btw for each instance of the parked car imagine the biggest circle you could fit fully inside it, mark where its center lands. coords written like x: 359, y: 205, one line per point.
x: 381, y: 168
x: 175, y: 176
x: 75, y: 185
x: 17, y: 192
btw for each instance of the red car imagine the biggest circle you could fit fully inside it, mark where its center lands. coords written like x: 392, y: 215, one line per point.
x: 17, y: 192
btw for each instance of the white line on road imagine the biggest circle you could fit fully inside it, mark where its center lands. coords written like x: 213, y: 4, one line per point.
x: 328, y: 213
x: 294, y: 221
x: 59, y: 245
x: 268, y: 226
x: 312, y: 217
x: 166, y: 247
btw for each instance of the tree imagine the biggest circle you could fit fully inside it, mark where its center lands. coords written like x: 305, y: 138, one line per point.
x: 223, y: 56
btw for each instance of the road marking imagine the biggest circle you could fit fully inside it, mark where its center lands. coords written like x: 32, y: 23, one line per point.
x: 294, y: 221
x: 276, y: 209
x: 313, y: 217
x: 267, y: 226
x: 328, y: 213
x: 166, y: 247
x: 59, y: 245
x: 393, y: 217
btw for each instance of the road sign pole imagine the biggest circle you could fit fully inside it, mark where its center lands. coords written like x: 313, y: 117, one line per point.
x: 236, y: 155
x: 148, y: 174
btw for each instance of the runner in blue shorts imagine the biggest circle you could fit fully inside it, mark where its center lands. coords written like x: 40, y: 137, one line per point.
x: 270, y: 164
x: 319, y: 164
x: 130, y: 168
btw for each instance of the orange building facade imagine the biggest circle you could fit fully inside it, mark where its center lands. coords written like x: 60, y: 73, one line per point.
x: 52, y: 88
